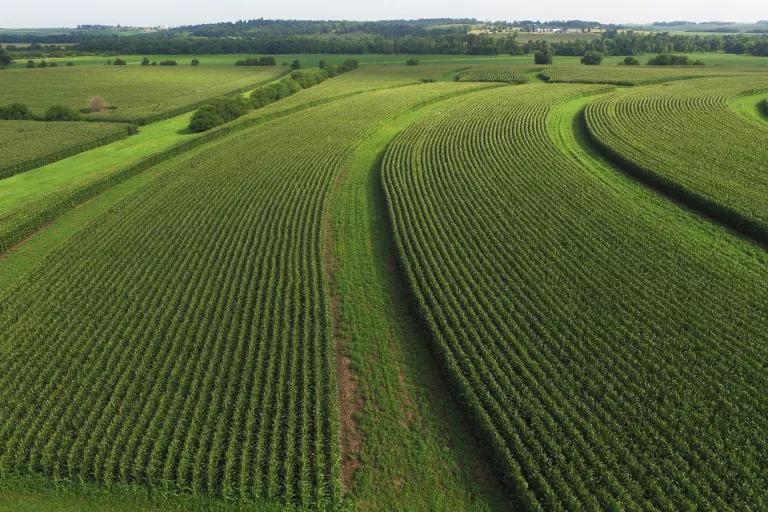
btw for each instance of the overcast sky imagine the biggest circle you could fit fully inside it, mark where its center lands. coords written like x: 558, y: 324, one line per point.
x: 68, y: 13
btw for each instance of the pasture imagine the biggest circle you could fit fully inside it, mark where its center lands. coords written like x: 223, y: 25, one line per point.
x: 469, y: 284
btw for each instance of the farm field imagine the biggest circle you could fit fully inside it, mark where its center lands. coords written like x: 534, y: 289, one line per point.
x: 138, y: 94
x: 719, y: 159
x: 444, y: 286
x: 25, y: 145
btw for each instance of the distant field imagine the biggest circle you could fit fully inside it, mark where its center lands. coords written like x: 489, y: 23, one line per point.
x: 25, y: 145
x: 633, y: 75
x: 134, y: 93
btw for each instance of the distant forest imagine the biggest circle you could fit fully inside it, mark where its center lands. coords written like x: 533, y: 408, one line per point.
x: 433, y: 36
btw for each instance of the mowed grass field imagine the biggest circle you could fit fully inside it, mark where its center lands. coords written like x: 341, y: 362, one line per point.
x: 382, y: 294
x: 133, y: 93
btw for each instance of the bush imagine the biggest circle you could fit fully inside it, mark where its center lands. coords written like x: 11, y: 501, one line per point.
x: 168, y: 63
x: 348, y: 65
x: 61, y: 113
x: 119, y: 62
x: 194, y: 62
x: 154, y: 63
x: 5, y: 58
x: 699, y: 63
x: 592, y: 58
x: 42, y: 64
x: 217, y: 112
x: 53, y: 64
x: 543, y: 56
x: 666, y: 59
x: 631, y: 61
x: 430, y: 80
x: 333, y: 70
x: 70, y: 64
x: 31, y: 64
x: 296, y: 65
x: 322, y: 64
x: 145, y: 61
x: 15, y: 112
x: 308, y: 78
x: 412, y: 62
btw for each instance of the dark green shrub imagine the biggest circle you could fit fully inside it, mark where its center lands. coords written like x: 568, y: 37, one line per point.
x: 430, y: 80
x: 53, y: 64
x: 217, y: 112
x: 70, y: 64
x: 15, y: 111
x: 296, y: 65
x: 666, y: 59
x: 154, y: 63
x: 195, y: 62
x: 145, y: 61
x: 61, y: 113
x: 309, y: 77
x: 631, y: 61
x: 412, y: 62
x: 261, y: 61
x: 5, y: 58
x: 699, y: 63
x: 31, y: 64
x: 544, y: 56
x: 168, y: 63
x: 42, y: 64
x: 348, y: 65
x: 592, y: 58
x: 119, y: 62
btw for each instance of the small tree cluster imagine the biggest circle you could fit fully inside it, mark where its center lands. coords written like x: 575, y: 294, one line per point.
x: 412, y: 62
x: 195, y: 62
x: 631, y: 61
x: 544, y: 54
x: 61, y: 113
x: 592, y: 58
x: 5, y: 58
x: 145, y: 61
x: 218, y: 111
x: 119, y: 62
x: 666, y: 59
x: 15, y: 112
x: 168, y: 62
x: 260, y: 61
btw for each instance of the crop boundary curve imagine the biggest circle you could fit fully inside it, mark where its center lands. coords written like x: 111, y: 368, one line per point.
x: 726, y: 217
x: 350, y: 401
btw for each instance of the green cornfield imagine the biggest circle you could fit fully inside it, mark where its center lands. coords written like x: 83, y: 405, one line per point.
x: 609, y: 346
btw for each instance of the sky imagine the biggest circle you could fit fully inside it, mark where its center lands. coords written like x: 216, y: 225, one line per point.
x: 68, y: 13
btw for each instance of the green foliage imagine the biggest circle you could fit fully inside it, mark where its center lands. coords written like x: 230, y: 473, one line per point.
x: 15, y: 111
x: 592, y: 328
x: 168, y: 62
x: 61, y: 113
x: 592, y: 58
x: 145, y: 61
x: 119, y: 62
x: 31, y: 64
x: 5, y: 58
x: 70, y: 64
x: 412, y: 62
x: 42, y: 64
x: 217, y: 112
x: 296, y: 64
x: 631, y: 61
x: 194, y: 62
x: 666, y: 59
x: 544, y: 55
x: 348, y: 65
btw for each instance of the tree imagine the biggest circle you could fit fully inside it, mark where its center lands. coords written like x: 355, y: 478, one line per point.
x: 322, y: 64
x: 168, y: 62
x: 97, y: 104
x: 31, y: 64
x: 145, y: 61
x: 296, y: 65
x: 119, y: 62
x: 5, y: 58
x: 631, y: 61
x: 194, y: 62
x: 61, y: 113
x: 412, y: 62
x: 348, y: 65
x: 543, y: 55
x: 592, y: 58
x: 42, y: 64
x: 154, y: 63
x: 70, y: 64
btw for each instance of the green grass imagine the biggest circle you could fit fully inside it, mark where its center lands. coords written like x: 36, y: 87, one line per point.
x: 25, y: 145
x: 134, y: 93
x: 598, y: 332
x: 416, y: 454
